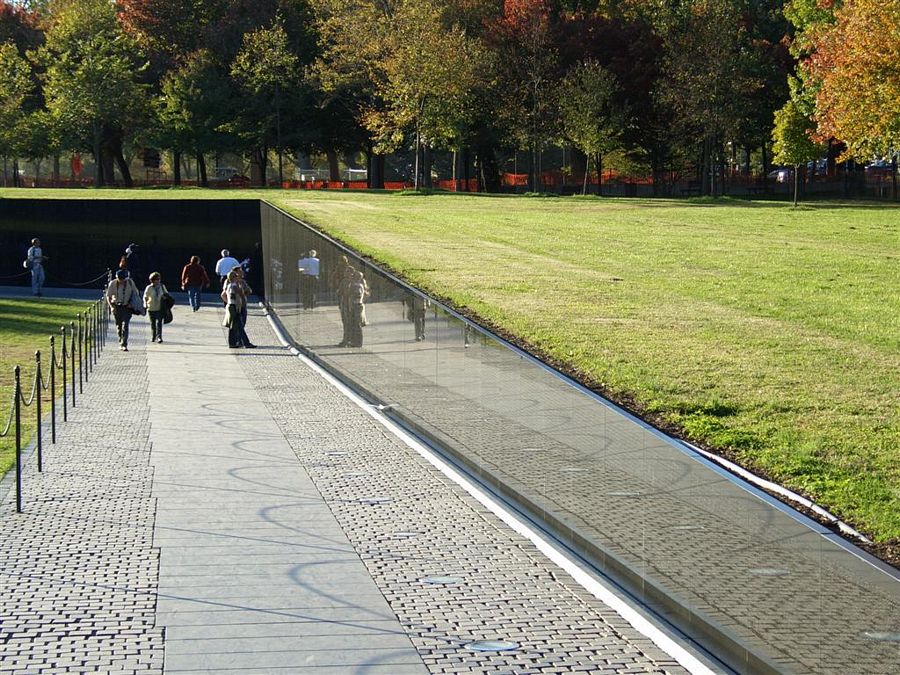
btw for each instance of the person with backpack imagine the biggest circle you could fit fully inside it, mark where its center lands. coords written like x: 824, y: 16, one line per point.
x: 154, y: 296
x: 122, y: 295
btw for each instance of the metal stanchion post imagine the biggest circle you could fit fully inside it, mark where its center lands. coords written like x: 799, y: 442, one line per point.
x: 18, y: 408
x: 38, y: 392
x: 72, y: 342
x: 80, y: 373
x: 52, y: 389
x: 62, y: 329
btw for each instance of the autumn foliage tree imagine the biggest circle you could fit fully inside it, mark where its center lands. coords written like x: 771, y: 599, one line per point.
x: 856, y: 64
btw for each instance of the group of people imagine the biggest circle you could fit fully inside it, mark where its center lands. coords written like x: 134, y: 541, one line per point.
x: 125, y: 299
x: 352, y: 290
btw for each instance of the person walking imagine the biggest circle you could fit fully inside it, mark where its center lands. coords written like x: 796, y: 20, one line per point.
x: 153, y: 303
x: 225, y: 264
x: 308, y: 266
x: 120, y: 295
x: 35, y: 262
x: 193, y: 280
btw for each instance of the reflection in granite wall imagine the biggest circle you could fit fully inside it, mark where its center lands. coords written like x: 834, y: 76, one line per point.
x: 84, y: 237
x: 769, y: 591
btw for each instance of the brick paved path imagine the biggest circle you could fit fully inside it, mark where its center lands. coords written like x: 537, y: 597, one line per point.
x: 249, y: 519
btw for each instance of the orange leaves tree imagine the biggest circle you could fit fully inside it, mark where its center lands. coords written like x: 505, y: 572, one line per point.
x: 856, y: 66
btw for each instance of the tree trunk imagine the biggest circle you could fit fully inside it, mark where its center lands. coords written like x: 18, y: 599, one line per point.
x: 334, y: 169
x: 765, y: 168
x: 374, y: 170
x: 119, y: 159
x: 16, y: 181
x: 465, y: 168
x: 427, y: 158
x: 258, y: 159
x: 176, y: 167
x: 894, y: 177
x: 99, y: 178
x: 599, y: 161
x: 587, y: 166
x: 796, y: 184
x: 201, y: 170
x: 55, y: 178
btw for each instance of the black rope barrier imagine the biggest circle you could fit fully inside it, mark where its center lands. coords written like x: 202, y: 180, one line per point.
x: 84, y: 344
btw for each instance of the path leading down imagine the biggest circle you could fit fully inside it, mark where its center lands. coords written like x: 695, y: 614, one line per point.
x: 230, y: 511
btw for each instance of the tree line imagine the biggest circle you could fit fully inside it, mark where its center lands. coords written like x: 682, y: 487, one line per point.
x: 654, y: 85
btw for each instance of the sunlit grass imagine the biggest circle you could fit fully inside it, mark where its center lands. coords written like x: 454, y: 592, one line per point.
x: 26, y: 327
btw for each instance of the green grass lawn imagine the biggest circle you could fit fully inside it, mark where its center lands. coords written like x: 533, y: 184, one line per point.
x: 25, y: 327
x: 768, y: 333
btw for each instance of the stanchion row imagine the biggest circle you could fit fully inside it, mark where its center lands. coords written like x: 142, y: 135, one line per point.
x: 81, y: 344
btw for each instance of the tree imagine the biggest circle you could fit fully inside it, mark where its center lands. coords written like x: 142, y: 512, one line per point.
x: 90, y: 80
x: 710, y: 75
x: 264, y: 68
x: 592, y: 113
x: 15, y: 86
x: 528, y: 51
x: 792, y: 140
x: 195, y: 107
x: 431, y: 72
x: 856, y: 63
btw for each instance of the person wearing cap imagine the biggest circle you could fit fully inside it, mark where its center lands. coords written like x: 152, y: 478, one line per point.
x: 119, y: 296
x: 132, y: 261
x: 153, y: 303
x: 193, y: 279
x: 308, y: 266
x: 225, y: 264
x: 35, y: 259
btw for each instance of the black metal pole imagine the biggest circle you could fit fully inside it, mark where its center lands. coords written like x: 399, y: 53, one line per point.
x: 38, y: 393
x: 18, y: 408
x: 72, y: 343
x: 65, y: 371
x: 80, y: 352
x: 52, y: 389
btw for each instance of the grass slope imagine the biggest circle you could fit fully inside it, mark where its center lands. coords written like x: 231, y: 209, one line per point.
x: 25, y: 327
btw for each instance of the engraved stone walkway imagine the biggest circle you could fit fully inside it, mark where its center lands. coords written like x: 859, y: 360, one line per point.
x: 228, y: 511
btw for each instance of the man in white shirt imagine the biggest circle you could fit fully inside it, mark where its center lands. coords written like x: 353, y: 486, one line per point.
x: 308, y: 266
x: 36, y: 260
x: 225, y: 264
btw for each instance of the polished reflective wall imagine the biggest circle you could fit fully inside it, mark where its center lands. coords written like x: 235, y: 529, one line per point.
x: 764, y: 588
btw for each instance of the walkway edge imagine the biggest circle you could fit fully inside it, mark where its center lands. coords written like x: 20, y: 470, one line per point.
x: 603, y: 591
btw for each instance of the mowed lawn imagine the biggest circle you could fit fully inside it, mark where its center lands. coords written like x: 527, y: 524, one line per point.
x: 768, y: 333
x: 25, y: 327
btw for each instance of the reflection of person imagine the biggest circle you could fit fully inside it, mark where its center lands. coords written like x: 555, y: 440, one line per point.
x: 153, y: 302
x: 356, y: 291
x: 36, y: 260
x: 119, y: 294
x: 417, y: 307
x: 246, y: 292
x: 193, y: 279
x: 308, y: 266
x: 225, y: 264
x: 337, y: 281
x: 232, y: 296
